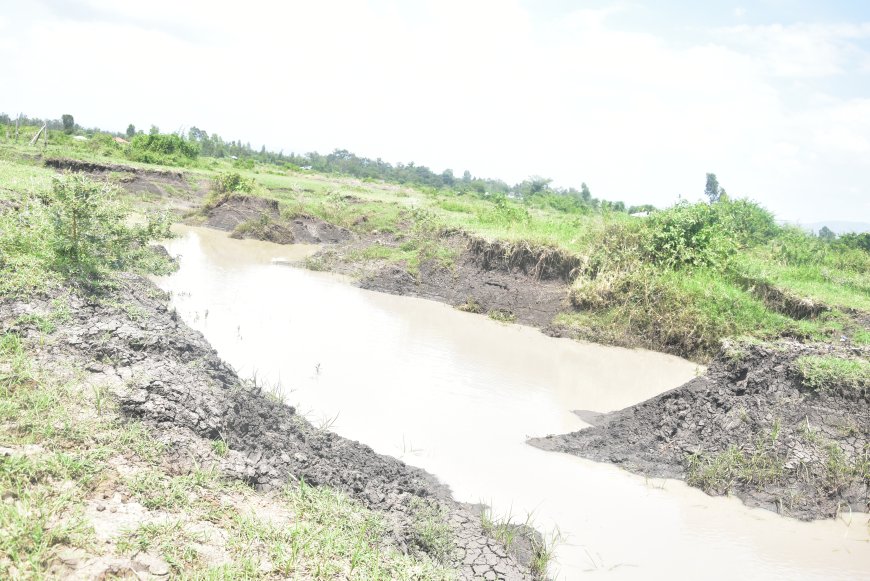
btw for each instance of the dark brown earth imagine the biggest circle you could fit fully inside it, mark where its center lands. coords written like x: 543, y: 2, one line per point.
x: 476, y: 281
x: 173, y: 188
x: 751, y: 398
x: 472, y: 287
x: 259, y: 218
x: 168, y: 376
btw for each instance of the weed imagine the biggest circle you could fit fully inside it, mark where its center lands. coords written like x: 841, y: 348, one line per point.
x: 432, y: 531
x: 220, y: 448
x: 834, y: 374
x: 502, y: 316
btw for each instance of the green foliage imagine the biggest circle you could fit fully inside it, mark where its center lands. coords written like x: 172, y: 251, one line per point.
x: 163, y: 149
x: 719, y: 473
x: 712, y: 189
x: 826, y: 233
x: 854, y: 240
x: 688, y: 235
x: 432, y: 531
x: 69, y: 124
x: 834, y: 374
x: 91, y: 230
x: 81, y: 230
x: 231, y: 182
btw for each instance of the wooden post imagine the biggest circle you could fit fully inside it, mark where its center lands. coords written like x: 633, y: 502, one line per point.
x: 35, y: 139
x: 17, y: 119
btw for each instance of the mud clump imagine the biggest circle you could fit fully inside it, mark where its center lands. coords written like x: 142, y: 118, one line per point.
x: 260, y: 219
x: 167, y: 375
x: 470, y: 283
x: 749, y: 427
x: 541, y: 262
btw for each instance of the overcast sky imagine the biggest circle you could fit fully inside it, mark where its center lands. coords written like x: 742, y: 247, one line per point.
x: 637, y: 99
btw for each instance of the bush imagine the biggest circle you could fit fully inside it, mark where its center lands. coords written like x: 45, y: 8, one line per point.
x: 163, y: 149
x: 91, y: 233
x: 232, y: 182
x: 688, y: 235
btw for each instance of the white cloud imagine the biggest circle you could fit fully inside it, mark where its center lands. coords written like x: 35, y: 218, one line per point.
x: 480, y: 85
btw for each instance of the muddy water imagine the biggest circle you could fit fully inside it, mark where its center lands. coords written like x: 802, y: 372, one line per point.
x: 457, y: 394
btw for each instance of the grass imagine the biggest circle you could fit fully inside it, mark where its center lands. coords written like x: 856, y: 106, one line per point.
x: 720, y: 473
x: 675, y: 282
x: 502, y: 316
x: 328, y: 535
x: 432, y: 531
x: 504, y: 530
x: 834, y: 374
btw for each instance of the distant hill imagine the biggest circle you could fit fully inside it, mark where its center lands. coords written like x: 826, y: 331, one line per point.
x: 837, y: 226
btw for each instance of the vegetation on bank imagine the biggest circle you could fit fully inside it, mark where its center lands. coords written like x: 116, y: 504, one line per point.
x: 69, y: 451
x: 850, y: 377
x: 680, y: 280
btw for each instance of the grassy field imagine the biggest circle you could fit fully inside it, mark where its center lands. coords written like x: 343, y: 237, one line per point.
x: 680, y: 281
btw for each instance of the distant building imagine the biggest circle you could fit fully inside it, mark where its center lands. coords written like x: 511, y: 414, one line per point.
x: 121, y: 140
x: 80, y: 138
x: 640, y: 215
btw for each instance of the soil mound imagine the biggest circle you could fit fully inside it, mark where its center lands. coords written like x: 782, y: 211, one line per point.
x: 471, y: 286
x: 260, y: 219
x: 538, y: 261
x: 748, y: 427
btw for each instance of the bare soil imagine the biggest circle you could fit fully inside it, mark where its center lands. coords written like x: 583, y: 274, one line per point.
x: 750, y: 400
x: 475, y: 281
x: 259, y: 218
x: 172, y: 189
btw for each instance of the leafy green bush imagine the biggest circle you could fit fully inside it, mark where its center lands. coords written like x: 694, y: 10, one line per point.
x: 689, y: 235
x: 104, y: 144
x: 91, y: 229
x: 854, y: 240
x: 80, y: 231
x: 232, y: 182
x: 163, y: 149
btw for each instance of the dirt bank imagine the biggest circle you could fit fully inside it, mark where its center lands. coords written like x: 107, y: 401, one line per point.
x: 750, y: 427
x: 261, y: 219
x: 170, y: 189
x: 476, y: 279
x: 166, y: 375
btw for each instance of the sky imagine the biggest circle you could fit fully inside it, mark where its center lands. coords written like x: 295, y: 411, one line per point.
x: 637, y: 99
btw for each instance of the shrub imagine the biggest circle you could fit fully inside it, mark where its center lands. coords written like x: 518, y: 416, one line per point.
x: 232, y: 182
x: 164, y: 149
x: 854, y: 240
x: 90, y: 230
x: 688, y: 235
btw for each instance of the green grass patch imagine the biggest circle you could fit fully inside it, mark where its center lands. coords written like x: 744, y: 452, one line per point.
x: 834, y: 374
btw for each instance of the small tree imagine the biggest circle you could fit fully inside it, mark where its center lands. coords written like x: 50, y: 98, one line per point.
x: 712, y: 189
x: 826, y: 233
x: 69, y: 124
x: 131, y: 131
x: 91, y: 232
